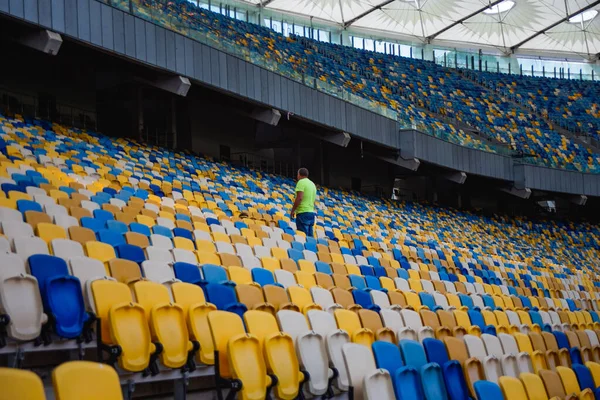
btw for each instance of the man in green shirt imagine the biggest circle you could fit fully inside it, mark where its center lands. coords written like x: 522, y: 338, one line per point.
x: 304, y: 205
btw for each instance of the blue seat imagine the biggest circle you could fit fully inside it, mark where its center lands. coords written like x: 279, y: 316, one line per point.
x: 181, y: 232
x: 295, y: 255
x: 140, y: 228
x: 486, y: 390
x: 406, y: 381
x: 357, y: 281
x: 402, y: 273
x: 466, y: 300
x: 373, y: 262
x: 100, y: 200
x: 536, y: 318
x: 187, y: 272
x: 224, y: 298
x: 428, y: 300
x: 323, y: 267
x: 363, y: 298
x: 456, y: 385
x: 117, y: 226
x: 10, y: 187
x: 488, y: 301
x: 212, y: 221
x: 297, y: 246
x: 92, y: 223
x: 345, y: 251
x: 214, y: 274
x: 103, y: 215
x: 430, y: 373
x: 374, y: 283
x: 111, y: 237
x: 312, y: 246
x: 477, y: 319
x: 61, y: 295
x: 162, y: 230
x: 183, y: 217
x: 585, y: 379
x: 367, y: 270
x: 28, y: 205
x: 264, y: 277
x: 526, y: 302
x: 379, y: 271
x: 571, y: 305
x: 131, y: 252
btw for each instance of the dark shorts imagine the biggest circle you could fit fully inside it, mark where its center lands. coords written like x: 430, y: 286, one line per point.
x: 305, y: 222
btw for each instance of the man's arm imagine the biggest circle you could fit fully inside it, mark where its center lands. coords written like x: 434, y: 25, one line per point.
x: 299, y: 196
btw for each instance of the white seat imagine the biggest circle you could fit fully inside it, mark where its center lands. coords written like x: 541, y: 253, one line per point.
x: 449, y: 287
x: 367, y: 381
x: 166, y: 222
x: 286, y: 278
x: 491, y: 364
x: 477, y: 301
x: 90, y: 205
x: 217, y: 229
x: 167, y: 201
x: 402, y: 284
x: 65, y: 221
x: 509, y: 345
x: 479, y: 288
x: 300, y: 239
x: 53, y: 210
x: 243, y: 250
x: 4, y: 245
x: 504, y: 290
x: 413, y: 320
x: 324, y: 298
x: 66, y: 249
x: 283, y: 244
x: 310, y: 256
x: 158, y: 271
x: 223, y: 247
x: 262, y: 251
x: 117, y: 203
x: 434, y: 276
x: 232, y: 231
x: 161, y: 241
x: 45, y: 201
x: 311, y: 350
x: 513, y: 319
x: 493, y: 347
x: 14, y: 229
x: 202, y: 235
x: 159, y: 254
x: 324, y: 324
x: 227, y: 224
x: 250, y: 262
x: 28, y: 246
x: 348, y: 259
x: 183, y: 255
x: 469, y: 287
x: 20, y: 299
x: 87, y: 270
x: 8, y: 214
x: 441, y: 300
x: 393, y: 320
x: 360, y: 260
x: 427, y: 286
x: 382, y: 300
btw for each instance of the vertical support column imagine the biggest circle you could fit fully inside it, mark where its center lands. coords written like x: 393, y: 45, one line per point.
x: 174, y: 121
x: 140, y: 113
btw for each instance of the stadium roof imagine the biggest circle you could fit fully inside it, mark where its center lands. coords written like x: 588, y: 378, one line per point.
x: 566, y: 28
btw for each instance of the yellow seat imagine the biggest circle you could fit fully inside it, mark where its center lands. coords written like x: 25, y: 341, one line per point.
x: 76, y: 380
x: 196, y: 309
x: 278, y: 297
x: 252, y: 296
x: 350, y: 322
x: 167, y: 322
x: 208, y: 258
x: 124, y: 271
x: 270, y: 263
x: 302, y: 298
x: 183, y: 243
x: 100, y: 251
x: 145, y: 220
x: 305, y: 278
x: 205, y: 246
x: 20, y: 384
x: 49, y: 232
x: 280, y: 353
x: 240, y: 275
x: 571, y: 385
x: 512, y: 388
x: 372, y: 321
x: 538, y: 359
x: 279, y: 253
x: 307, y: 266
x: 534, y: 386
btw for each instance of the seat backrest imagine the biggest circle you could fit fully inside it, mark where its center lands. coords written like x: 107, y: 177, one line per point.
x: 534, y: 386
x: 550, y: 341
x: 553, y: 383
x: 158, y: 271
x: 84, y: 379
x: 523, y: 342
x: 413, y: 353
x: 250, y: 295
x: 512, y: 388
x: 347, y: 320
x: 509, y: 344
x: 584, y: 377
x: 260, y: 324
x: 124, y: 271
x: 387, y: 356
x: 149, y: 293
x: 411, y: 319
x: 276, y: 295
x: 292, y: 322
x: 20, y: 384
x: 569, y: 380
x: 370, y: 320
x: 486, y: 390
x: 436, y: 351
x: 456, y: 349
x: 475, y: 347
x: 223, y: 326
x: 343, y: 297
x: 322, y: 297
x: 359, y: 362
x: 322, y: 322
x: 492, y: 344
x: 107, y: 293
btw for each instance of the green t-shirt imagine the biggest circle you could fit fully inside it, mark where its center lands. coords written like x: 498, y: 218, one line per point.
x: 309, y: 189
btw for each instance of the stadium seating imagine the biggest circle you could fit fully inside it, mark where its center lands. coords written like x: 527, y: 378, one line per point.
x: 468, y: 304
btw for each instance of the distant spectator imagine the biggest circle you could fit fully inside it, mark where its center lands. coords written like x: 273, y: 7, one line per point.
x: 304, y: 205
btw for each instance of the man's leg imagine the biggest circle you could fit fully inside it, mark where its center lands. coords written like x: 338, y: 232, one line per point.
x: 300, y: 225
x: 310, y: 224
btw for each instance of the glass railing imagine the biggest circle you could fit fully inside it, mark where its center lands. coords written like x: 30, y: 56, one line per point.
x: 211, y: 36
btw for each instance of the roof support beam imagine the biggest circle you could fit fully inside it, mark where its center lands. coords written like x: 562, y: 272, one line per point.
x: 463, y: 19
x: 265, y: 3
x: 566, y: 18
x: 378, y: 7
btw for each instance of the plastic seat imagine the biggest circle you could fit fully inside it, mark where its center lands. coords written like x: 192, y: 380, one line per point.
x: 224, y: 298
x: 278, y: 297
x: 158, y: 272
x: 302, y: 298
x: 279, y: 351
x: 61, y: 295
x: 510, y: 346
x: 552, y: 383
x: 485, y: 390
x: 367, y: 381
x: 534, y: 386
x: 452, y: 370
x: 20, y: 384
x: 585, y: 379
x: 168, y: 323
x: 473, y: 368
x: 75, y: 380
x: 324, y: 324
x: 253, y: 298
x: 491, y: 364
x: 571, y: 384
x: 413, y: 321
x: 430, y: 374
x: 123, y: 323
x: 196, y: 309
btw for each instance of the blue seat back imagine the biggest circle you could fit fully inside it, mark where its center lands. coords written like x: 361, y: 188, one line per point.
x: 476, y: 319
x: 96, y: 225
x: 140, y: 228
x: 187, y: 272
x: 436, y: 351
x: 561, y: 340
x: 373, y: 282
x: 362, y: 298
x: 584, y: 377
x: 112, y: 237
x: 181, y: 232
x: 295, y: 255
x: 28, y: 205
x: 367, y: 270
x: 103, y: 215
x: 379, y: 271
x: 413, y: 353
x: 427, y: 300
x: 131, y: 252
x: 162, y: 230
x: 486, y: 390
x: 323, y: 267
x: 214, y: 273
x: 465, y: 300
x: 262, y: 276
x: 117, y: 226
x: 357, y: 281
x: 387, y: 356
